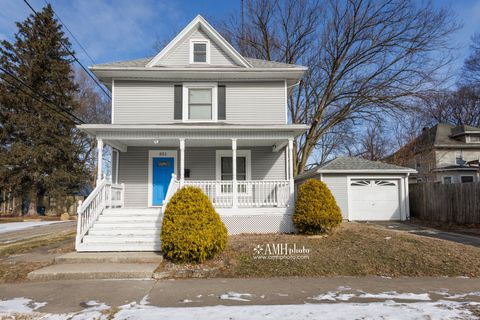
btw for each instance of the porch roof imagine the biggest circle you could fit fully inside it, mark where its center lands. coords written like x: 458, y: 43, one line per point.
x: 123, y: 135
x: 293, y: 130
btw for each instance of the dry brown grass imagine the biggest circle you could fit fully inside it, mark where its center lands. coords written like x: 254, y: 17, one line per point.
x: 35, y: 242
x: 7, y: 219
x: 354, y: 250
x: 12, y: 270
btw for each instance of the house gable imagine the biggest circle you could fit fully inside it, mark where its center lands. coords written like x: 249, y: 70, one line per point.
x: 178, y: 51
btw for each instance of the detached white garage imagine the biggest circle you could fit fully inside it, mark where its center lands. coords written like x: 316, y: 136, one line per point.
x: 365, y: 190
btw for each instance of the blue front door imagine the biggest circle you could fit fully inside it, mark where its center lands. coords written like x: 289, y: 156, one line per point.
x: 162, y: 174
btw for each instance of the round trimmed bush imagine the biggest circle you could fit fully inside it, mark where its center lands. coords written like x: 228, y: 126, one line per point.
x: 316, y: 210
x: 192, y: 230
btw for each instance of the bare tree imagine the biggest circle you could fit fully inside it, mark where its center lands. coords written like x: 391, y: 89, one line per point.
x: 365, y: 57
x: 458, y: 107
x: 93, y: 107
x: 471, y: 68
x: 374, y: 143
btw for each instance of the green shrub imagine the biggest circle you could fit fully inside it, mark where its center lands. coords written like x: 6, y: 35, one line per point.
x: 192, y: 231
x: 316, y: 210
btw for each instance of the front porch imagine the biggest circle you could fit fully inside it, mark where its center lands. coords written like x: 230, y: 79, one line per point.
x: 247, y: 174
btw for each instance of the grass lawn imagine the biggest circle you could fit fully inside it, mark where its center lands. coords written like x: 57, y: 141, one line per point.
x: 35, y: 253
x: 27, y: 218
x: 352, y: 250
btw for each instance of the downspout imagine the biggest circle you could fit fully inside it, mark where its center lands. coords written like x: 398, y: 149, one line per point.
x: 407, y: 198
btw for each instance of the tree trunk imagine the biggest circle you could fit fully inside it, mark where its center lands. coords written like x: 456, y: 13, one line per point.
x: 32, y: 206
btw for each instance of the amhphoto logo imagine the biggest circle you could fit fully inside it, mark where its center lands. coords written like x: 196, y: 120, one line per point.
x: 280, y: 251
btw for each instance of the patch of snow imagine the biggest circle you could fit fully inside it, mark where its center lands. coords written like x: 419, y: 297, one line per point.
x: 235, y: 296
x: 144, y: 300
x: 443, y: 309
x: 20, y: 305
x: 333, y: 296
x: 396, y: 295
x: 344, y: 288
x: 199, y: 296
x: 15, y: 226
x: 460, y: 295
x: 375, y: 310
x: 282, y: 294
x: 388, y: 238
x: 186, y: 301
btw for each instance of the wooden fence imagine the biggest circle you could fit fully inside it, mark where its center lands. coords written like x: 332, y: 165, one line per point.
x: 451, y: 203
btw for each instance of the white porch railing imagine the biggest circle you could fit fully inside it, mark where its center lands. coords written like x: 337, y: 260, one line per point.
x: 250, y: 193
x: 172, y: 188
x: 105, y: 195
x: 219, y: 192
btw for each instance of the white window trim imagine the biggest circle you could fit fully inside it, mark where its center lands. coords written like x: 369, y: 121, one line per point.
x: 199, y: 85
x: 154, y: 154
x: 207, y: 42
x: 228, y: 153
x: 443, y: 179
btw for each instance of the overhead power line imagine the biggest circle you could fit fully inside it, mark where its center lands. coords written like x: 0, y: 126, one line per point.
x: 33, y: 97
x: 70, y: 32
x: 74, y: 57
x: 47, y: 101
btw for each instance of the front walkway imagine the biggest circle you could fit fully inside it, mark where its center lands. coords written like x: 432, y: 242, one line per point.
x: 469, y: 239
x: 422, y: 296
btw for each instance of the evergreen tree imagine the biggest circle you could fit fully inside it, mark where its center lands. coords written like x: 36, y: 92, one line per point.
x: 37, y: 150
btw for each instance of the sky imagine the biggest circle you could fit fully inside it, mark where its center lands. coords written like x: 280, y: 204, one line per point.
x: 115, y: 30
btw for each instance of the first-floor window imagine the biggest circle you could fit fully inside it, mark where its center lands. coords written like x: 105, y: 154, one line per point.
x: 466, y: 179
x: 227, y: 168
x: 447, y: 180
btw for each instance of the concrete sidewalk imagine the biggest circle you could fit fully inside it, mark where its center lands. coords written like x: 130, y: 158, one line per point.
x: 72, y: 295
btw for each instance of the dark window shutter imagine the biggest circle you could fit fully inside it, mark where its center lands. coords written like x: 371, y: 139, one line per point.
x: 221, y: 101
x: 178, y: 103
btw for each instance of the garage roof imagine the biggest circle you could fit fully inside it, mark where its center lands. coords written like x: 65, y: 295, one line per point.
x: 355, y: 165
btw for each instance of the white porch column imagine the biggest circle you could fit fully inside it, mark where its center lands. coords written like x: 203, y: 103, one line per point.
x: 290, y: 170
x: 234, y: 174
x: 182, y: 162
x: 99, y: 160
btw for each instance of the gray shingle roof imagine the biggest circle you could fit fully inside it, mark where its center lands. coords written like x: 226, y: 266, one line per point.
x: 354, y: 165
x: 139, y: 63
x: 351, y: 163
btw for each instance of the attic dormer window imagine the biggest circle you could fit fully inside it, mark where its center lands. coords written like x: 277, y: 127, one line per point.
x: 200, y: 51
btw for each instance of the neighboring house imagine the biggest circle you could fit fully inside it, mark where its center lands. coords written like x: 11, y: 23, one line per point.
x: 197, y: 114
x: 443, y: 153
x: 364, y: 189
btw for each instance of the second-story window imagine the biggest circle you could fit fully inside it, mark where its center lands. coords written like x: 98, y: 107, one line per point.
x: 199, y: 51
x: 199, y: 101
x: 459, y: 158
x: 200, y: 104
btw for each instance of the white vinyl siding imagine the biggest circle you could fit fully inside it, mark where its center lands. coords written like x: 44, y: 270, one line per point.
x: 133, y: 168
x: 180, y: 56
x: 143, y: 102
x: 152, y: 102
x: 338, y: 186
x: 255, y: 102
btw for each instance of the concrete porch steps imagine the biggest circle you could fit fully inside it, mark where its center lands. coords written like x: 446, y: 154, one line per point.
x: 104, y: 265
x: 124, y: 229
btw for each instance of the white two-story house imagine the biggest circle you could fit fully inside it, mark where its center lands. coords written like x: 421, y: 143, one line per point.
x: 197, y: 114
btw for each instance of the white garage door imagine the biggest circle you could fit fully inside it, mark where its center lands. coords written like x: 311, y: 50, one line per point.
x: 374, y: 199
